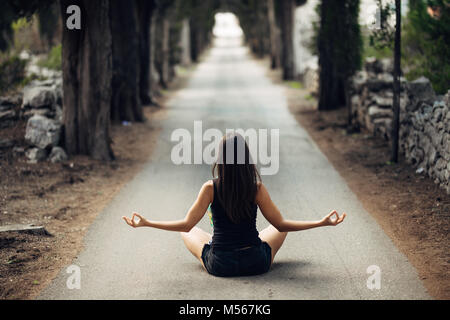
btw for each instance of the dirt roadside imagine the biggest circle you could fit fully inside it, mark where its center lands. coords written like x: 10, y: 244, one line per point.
x: 65, y: 198
x: 412, y: 210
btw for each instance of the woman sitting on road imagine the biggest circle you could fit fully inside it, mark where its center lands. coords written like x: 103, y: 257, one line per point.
x: 235, y: 248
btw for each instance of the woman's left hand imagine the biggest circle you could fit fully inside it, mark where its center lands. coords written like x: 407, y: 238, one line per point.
x: 329, y: 221
x: 135, y: 224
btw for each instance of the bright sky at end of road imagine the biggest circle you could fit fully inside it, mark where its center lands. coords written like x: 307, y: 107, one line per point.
x: 227, y: 26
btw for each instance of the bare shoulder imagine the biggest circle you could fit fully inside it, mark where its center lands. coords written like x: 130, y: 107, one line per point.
x: 261, y: 192
x: 260, y: 186
x: 208, y: 189
x: 208, y: 184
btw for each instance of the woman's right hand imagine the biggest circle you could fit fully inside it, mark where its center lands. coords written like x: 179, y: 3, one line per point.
x: 330, y: 221
x: 135, y: 224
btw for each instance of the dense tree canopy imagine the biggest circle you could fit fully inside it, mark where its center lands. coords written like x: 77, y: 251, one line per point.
x: 427, y: 42
x: 339, y: 48
x: 10, y: 10
x: 140, y: 45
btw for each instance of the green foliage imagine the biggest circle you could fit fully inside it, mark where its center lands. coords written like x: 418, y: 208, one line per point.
x: 376, y: 51
x: 54, y: 59
x: 349, y: 48
x: 11, y: 10
x: 339, y: 33
x: 294, y: 84
x: 48, y: 20
x: 383, y: 37
x: 426, y: 43
x: 309, y: 97
x: 20, y: 24
x: 12, y: 73
x: 313, y: 43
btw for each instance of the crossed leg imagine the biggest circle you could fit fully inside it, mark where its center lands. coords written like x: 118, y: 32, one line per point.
x: 274, y: 238
x: 195, y: 240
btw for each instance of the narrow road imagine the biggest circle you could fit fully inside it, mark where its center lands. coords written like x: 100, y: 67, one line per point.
x: 230, y: 90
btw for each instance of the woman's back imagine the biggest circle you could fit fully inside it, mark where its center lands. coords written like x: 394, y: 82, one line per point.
x: 230, y: 235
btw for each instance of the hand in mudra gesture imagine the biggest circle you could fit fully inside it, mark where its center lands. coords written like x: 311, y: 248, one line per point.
x: 133, y: 223
x: 333, y: 219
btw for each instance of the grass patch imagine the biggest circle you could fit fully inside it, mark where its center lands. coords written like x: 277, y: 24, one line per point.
x: 294, y: 84
x: 53, y: 60
x: 12, y: 73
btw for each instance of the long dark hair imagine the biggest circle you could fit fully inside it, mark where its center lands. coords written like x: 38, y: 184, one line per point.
x: 238, y: 178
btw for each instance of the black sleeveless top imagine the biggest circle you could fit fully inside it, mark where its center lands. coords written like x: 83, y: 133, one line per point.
x: 229, y: 235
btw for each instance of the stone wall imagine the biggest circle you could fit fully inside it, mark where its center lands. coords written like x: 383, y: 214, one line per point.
x: 424, y: 117
x: 39, y: 104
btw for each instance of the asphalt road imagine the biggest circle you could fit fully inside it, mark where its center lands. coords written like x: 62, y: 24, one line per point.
x: 230, y: 90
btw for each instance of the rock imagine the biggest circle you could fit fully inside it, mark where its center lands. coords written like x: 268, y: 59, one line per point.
x: 38, y: 97
x: 384, y: 81
x: 429, y: 130
x: 6, y: 143
x: 431, y: 156
x: 42, y: 132
x: 58, y: 86
x: 383, y: 102
x: 58, y: 114
x: 372, y: 64
x: 8, y: 115
x: 42, y: 83
x: 382, y: 127
x: 447, y: 98
x: 441, y: 164
x: 421, y: 90
x: 436, y: 139
x: 388, y: 79
x: 19, y: 150
x: 41, y: 112
x: 311, y: 79
x: 57, y: 155
x: 404, y: 102
x: 359, y: 80
x: 446, y: 147
x: 25, y: 55
x: 387, y: 65
x: 36, y: 154
x: 5, y: 106
x: 355, y: 101
x: 417, y: 155
x: 25, y: 228
x: 9, y: 102
x: 376, y: 112
x: 438, y: 111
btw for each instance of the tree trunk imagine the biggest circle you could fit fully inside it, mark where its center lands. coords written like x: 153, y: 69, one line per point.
x: 48, y: 21
x: 274, y: 35
x: 126, y: 103
x: 154, y: 86
x: 287, y: 26
x: 396, y: 99
x: 331, y: 86
x: 350, y: 127
x: 261, y: 29
x: 165, y: 72
x: 146, y: 10
x: 193, y: 39
x: 185, y: 43
x: 163, y: 47
x: 87, y: 75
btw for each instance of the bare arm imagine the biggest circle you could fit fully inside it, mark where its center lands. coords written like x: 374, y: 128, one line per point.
x: 193, y: 216
x: 273, y: 215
